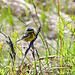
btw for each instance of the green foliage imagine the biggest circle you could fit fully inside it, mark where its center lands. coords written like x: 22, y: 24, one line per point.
x: 54, y: 4
x: 65, y: 47
x: 66, y: 6
x: 27, y: 13
x: 2, y: 71
x: 14, y: 36
x: 43, y: 17
x: 1, y: 26
x: 9, y: 16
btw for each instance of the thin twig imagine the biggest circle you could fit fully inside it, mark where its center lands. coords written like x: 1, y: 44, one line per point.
x: 36, y: 13
x: 34, y: 59
x: 49, y: 57
x: 38, y: 58
x: 4, y: 34
x: 40, y: 25
x: 23, y: 54
x: 12, y: 54
x: 22, y: 21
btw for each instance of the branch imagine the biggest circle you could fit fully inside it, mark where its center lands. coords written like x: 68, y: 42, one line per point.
x: 4, y: 34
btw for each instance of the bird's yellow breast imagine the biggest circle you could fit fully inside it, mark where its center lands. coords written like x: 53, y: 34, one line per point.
x: 30, y: 37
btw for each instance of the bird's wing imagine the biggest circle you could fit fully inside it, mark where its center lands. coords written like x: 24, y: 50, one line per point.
x: 25, y: 35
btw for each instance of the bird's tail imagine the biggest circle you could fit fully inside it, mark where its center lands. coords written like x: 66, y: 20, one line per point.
x: 19, y: 40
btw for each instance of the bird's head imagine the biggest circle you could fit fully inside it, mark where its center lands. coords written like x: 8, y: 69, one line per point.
x: 29, y: 30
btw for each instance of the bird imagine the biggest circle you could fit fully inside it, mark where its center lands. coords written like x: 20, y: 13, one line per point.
x: 29, y: 35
